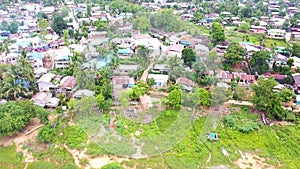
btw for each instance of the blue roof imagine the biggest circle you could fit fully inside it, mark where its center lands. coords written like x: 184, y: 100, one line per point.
x: 123, y: 51
x: 183, y: 42
x: 23, y: 27
x: 23, y: 43
x: 36, y: 55
x: 246, y: 43
x: 99, y: 63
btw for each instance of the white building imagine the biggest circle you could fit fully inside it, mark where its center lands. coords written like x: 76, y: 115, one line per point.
x: 160, y: 80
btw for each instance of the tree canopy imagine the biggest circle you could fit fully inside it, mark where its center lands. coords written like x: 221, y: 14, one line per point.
x: 235, y: 53
x: 188, y: 56
x: 259, y: 62
x: 58, y: 24
x: 217, y: 33
x: 166, y: 20
x: 265, y: 99
x: 15, y: 115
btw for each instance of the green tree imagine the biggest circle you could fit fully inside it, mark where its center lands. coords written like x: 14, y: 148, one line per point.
x: 46, y: 134
x: 58, y: 24
x: 125, y: 97
x: 166, y: 20
x: 296, y: 49
x: 66, y: 37
x: 151, y: 82
x: 259, y: 62
x: 217, y: 33
x: 198, y: 16
x: 89, y: 10
x: 265, y: 99
x: 142, y: 24
x: 188, y: 56
x: 65, y: 11
x: 143, y: 55
x: 287, y: 94
x: 43, y: 25
x: 235, y: 53
x: 218, y: 96
x: 174, y: 98
x: 203, y: 98
x: 239, y: 93
x: 245, y: 27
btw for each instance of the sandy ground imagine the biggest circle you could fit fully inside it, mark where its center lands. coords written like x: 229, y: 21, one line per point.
x: 251, y: 160
x: 97, y: 162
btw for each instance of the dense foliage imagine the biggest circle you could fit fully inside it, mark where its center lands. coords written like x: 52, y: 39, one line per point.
x: 15, y: 115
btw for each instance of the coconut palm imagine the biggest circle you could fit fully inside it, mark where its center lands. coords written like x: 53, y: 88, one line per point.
x: 11, y: 89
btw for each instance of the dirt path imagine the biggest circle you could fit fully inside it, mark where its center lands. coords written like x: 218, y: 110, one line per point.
x: 97, y: 162
x: 251, y: 160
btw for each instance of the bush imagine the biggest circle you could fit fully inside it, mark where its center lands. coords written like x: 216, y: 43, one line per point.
x: 248, y: 126
x: 46, y: 134
x: 229, y: 121
x: 290, y: 117
x: 75, y: 137
x: 112, y: 166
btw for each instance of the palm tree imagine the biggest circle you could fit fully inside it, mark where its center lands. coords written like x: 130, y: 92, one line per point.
x: 11, y: 89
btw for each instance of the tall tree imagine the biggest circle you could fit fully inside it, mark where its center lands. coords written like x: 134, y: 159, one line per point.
x: 43, y: 25
x: 296, y: 49
x: 265, y: 99
x: 217, y: 33
x: 66, y: 37
x: 235, y: 53
x: 259, y: 62
x: 58, y: 24
x: 188, y: 56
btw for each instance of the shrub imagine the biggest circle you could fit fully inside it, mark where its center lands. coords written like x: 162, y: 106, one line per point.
x: 112, y: 166
x: 229, y: 121
x: 46, y: 134
x: 248, y: 126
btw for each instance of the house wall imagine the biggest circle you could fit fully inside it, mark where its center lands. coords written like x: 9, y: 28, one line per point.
x: 43, y: 86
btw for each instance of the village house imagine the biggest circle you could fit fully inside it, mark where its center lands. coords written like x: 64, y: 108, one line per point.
x: 160, y: 80
x: 186, y: 83
x: 61, y: 57
x: 258, y: 29
x: 120, y: 83
x: 125, y: 69
x: 296, y: 78
x: 276, y: 33
x: 161, y: 68
x: 79, y: 94
x: 48, y: 82
x: 45, y: 99
x: 67, y: 86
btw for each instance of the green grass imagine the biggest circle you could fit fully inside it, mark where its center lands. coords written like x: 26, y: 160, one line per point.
x: 271, y: 43
x: 9, y: 158
x: 276, y: 143
x: 94, y: 150
x: 257, y: 39
x: 50, y: 165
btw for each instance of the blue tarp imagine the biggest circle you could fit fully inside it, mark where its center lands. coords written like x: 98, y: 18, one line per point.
x: 123, y: 51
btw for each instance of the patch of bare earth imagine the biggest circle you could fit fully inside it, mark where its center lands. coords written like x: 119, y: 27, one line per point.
x: 97, y: 162
x: 251, y: 160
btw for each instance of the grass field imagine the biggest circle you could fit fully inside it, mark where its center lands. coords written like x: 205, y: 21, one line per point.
x: 257, y: 39
x: 240, y: 131
x: 278, y: 144
x: 10, y: 159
